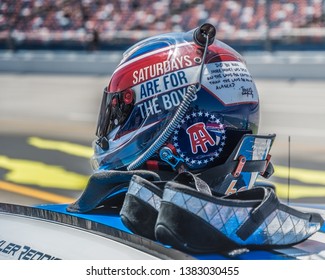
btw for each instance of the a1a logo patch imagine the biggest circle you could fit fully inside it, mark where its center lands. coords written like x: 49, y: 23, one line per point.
x: 199, y: 139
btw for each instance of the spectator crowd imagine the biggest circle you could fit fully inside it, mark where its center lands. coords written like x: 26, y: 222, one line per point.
x: 93, y: 21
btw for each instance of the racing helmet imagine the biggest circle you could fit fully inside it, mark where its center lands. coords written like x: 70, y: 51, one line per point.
x: 177, y: 101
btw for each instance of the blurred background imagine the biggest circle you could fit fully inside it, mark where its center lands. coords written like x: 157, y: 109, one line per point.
x: 106, y: 25
x: 57, y: 56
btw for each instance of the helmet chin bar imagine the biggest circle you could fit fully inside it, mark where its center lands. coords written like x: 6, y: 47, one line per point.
x: 203, y: 36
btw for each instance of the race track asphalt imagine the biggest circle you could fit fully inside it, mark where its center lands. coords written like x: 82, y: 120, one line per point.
x: 47, y: 125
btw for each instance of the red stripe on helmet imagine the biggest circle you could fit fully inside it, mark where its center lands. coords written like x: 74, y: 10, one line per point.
x: 152, y: 65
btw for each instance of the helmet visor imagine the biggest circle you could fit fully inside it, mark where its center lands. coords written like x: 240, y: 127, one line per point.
x: 114, y: 110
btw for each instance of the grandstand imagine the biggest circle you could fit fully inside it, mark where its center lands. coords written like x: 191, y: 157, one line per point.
x: 103, y: 24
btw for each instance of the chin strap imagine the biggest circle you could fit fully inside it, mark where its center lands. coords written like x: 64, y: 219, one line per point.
x: 236, y: 167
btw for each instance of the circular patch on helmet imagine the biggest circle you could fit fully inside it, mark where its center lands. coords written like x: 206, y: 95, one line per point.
x: 199, y: 139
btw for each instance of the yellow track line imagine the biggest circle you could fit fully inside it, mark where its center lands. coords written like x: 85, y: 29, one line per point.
x: 307, y: 176
x: 61, y: 146
x: 35, y: 173
x: 297, y: 191
x: 42, y: 195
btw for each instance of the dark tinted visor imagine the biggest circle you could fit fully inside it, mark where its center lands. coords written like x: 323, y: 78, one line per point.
x: 114, y: 110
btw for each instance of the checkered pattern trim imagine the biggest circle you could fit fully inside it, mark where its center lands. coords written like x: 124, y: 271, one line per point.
x: 144, y: 194
x: 279, y: 228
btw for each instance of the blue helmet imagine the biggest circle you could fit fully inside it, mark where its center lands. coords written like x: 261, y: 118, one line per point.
x: 177, y: 101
